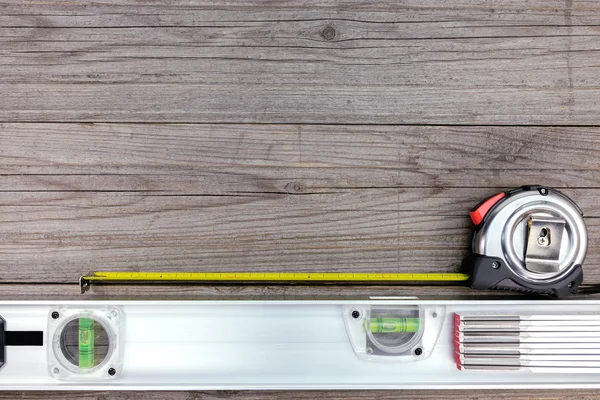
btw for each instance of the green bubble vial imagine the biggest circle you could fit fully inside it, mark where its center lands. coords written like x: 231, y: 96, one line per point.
x: 86, y: 343
x: 393, y: 325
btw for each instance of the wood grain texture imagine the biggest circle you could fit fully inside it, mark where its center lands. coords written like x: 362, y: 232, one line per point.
x: 193, y: 158
x: 190, y: 13
x: 529, y: 62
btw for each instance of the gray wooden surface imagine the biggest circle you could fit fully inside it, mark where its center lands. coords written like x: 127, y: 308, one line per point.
x: 283, y: 135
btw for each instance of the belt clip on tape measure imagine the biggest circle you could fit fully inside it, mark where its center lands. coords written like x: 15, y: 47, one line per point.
x: 531, y: 239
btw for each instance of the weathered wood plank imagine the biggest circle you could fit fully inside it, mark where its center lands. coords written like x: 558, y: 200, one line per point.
x: 148, y: 13
x: 443, y: 202
x: 517, y: 63
x: 282, y: 104
x: 247, y: 56
x: 224, y: 159
x: 298, y: 180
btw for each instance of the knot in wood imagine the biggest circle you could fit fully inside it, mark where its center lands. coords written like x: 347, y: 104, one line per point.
x: 295, y: 187
x: 328, y: 33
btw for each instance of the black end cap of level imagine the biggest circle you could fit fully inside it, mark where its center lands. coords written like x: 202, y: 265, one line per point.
x: 2, y: 341
x: 492, y: 273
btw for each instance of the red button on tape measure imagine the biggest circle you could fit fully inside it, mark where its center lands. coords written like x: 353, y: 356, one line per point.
x: 480, y: 211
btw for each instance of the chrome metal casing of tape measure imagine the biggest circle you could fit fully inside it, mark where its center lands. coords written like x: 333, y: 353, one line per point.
x: 537, y: 236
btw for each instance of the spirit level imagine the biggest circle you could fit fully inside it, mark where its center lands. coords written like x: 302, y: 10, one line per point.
x: 297, y: 344
x: 530, y: 239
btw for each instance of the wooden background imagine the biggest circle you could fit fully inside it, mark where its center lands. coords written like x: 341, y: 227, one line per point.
x: 283, y: 135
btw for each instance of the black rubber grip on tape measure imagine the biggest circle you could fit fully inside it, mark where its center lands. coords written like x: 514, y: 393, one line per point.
x: 492, y: 273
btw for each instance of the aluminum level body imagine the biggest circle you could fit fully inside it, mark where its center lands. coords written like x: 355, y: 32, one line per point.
x: 299, y: 344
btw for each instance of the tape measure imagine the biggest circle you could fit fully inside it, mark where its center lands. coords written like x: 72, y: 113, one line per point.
x: 274, y: 277
x: 530, y: 239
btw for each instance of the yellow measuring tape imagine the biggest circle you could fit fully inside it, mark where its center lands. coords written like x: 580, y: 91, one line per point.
x: 270, y: 277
